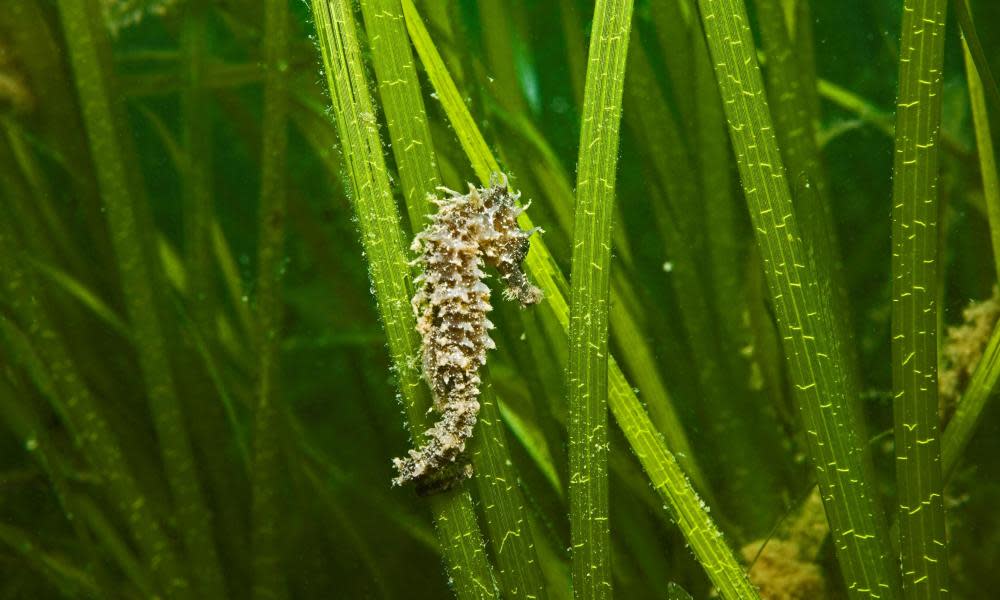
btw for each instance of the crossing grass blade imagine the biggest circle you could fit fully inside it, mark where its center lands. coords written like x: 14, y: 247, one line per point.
x: 636, y: 353
x: 458, y: 533
x: 915, y: 282
x: 664, y: 473
x: 813, y: 352
x: 69, y: 579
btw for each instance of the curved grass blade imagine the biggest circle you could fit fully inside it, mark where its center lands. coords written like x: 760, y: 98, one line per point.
x: 864, y: 109
x: 590, y: 291
x: 815, y: 355
x: 460, y: 540
x: 914, y: 302
x: 661, y: 467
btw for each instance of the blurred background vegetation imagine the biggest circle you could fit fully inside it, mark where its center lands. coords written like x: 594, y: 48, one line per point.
x: 134, y: 321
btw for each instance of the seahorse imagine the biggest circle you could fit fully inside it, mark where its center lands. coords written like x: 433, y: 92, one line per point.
x: 451, y: 303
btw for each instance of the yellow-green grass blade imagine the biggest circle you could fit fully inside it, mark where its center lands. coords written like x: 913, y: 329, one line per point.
x: 915, y: 283
x: 382, y: 238
x: 813, y: 352
x: 590, y: 292
x: 661, y: 467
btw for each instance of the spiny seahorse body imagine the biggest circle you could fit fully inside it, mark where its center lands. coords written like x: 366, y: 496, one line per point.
x: 451, y: 303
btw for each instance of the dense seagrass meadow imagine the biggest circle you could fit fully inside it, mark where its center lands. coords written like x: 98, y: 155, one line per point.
x: 575, y: 299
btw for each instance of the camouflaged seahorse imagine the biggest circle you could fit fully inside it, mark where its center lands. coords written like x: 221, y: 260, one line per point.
x: 451, y: 303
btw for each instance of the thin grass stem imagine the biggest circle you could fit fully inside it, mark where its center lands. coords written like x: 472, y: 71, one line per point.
x: 197, y: 166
